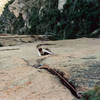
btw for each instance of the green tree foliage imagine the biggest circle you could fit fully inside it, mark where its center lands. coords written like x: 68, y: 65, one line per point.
x: 91, y: 94
x: 44, y: 23
x: 34, y: 21
x: 50, y: 20
x: 79, y: 18
x: 8, y: 21
x: 18, y: 25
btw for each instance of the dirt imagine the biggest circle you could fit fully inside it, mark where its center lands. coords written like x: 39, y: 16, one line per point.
x: 19, y: 80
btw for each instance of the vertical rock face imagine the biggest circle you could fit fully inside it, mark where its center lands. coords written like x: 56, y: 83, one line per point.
x: 23, y: 6
x: 19, y: 6
x: 61, y: 4
x: 2, y: 4
x: 23, y: 9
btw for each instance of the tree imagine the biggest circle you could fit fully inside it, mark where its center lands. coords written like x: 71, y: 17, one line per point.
x: 80, y: 18
x: 91, y: 94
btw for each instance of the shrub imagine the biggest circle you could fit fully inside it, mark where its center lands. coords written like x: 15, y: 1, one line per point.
x: 80, y: 18
x: 92, y: 94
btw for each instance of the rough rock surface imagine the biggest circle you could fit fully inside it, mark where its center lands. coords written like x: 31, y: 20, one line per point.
x: 11, y: 40
x: 20, y: 81
x: 61, y: 3
x: 2, y: 5
x: 24, y: 6
x: 19, y: 6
